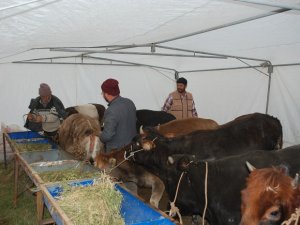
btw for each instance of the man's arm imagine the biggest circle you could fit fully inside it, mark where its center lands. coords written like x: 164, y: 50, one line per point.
x: 60, y: 108
x: 110, y: 126
x: 168, y: 103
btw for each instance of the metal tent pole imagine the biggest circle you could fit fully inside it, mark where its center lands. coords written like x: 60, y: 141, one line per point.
x: 86, y: 52
x: 224, y: 25
x: 270, y: 71
x: 274, y: 4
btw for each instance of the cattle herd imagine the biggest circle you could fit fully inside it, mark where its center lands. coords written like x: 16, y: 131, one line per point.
x: 229, y: 174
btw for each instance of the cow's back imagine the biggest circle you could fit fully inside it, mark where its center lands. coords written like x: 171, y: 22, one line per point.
x: 185, y: 126
x: 257, y: 131
x: 93, y: 110
x: 260, y: 127
x: 146, y: 117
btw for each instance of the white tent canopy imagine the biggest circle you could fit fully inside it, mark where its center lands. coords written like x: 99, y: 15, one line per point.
x: 239, y: 56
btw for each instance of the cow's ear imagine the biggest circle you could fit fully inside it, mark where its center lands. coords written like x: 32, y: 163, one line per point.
x: 250, y: 167
x: 112, y: 162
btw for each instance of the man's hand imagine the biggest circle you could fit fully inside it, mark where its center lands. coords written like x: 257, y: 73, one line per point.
x: 30, y: 117
x: 38, y: 119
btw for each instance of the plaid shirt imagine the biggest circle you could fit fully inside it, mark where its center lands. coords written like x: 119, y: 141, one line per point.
x: 169, y: 102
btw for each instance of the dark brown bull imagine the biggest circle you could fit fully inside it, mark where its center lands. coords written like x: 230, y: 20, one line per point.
x: 79, y: 135
x: 117, y: 166
x: 184, y: 126
x: 253, y: 131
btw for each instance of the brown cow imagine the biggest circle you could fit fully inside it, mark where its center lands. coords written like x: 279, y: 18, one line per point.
x: 79, y: 135
x: 115, y: 164
x: 271, y: 196
x: 184, y: 126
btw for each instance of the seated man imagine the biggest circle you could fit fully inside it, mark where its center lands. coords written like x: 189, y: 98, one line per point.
x: 46, y: 112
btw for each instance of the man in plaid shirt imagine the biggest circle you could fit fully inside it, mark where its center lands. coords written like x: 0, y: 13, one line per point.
x: 180, y: 103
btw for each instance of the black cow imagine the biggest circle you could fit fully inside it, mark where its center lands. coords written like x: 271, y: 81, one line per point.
x: 150, y: 118
x: 245, y: 133
x: 226, y: 179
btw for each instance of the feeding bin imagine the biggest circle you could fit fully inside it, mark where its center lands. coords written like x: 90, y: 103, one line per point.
x: 64, y: 170
x: 45, y: 156
x: 133, y: 210
x: 29, y: 137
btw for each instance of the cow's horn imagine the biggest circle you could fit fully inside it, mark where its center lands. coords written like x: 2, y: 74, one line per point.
x: 295, y: 181
x: 170, y: 160
x: 112, y: 162
x: 141, y: 130
x: 158, y: 126
x: 250, y: 167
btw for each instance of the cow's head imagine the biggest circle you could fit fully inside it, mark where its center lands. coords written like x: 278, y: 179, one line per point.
x: 105, y: 161
x: 269, y: 196
x: 148, y: 138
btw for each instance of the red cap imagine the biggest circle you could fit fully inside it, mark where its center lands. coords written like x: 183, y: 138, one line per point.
x: 111, y: 87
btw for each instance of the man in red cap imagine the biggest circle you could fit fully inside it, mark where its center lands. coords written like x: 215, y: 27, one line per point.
x: 119, y: 118
x: 46, y: 112
x: 180, y: 103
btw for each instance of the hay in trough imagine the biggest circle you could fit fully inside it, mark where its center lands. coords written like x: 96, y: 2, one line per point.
x: 30, y: 147
x: 98, y: 204
x: 68, y: 174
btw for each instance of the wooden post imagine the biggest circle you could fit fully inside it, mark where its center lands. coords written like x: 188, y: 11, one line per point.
x: 39, y: 207
x: 4, y: 151
x: 16, y: 173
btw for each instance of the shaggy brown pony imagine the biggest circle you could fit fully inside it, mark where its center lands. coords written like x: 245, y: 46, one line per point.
x: 79, y: 135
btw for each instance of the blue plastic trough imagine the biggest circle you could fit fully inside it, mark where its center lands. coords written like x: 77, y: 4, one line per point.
x: 30, y: 137
x: 133, y: 210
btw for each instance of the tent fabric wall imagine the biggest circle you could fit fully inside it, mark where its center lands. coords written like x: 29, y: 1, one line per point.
x: 219, y: 95
x: 78, y: 85
x: 31, y: 31
x: 285, y: 102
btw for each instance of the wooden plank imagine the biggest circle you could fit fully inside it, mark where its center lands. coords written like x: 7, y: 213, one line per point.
x: 55, y: 209
x: 16, y: 173
x: 4, y: 150
x: 39, y: 207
